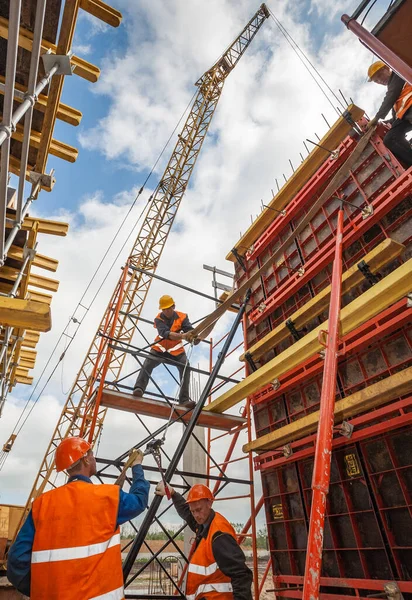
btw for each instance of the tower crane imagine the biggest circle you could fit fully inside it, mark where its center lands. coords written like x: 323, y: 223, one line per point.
x: 82, y: 413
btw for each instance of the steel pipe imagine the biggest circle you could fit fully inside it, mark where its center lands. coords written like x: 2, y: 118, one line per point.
x: 323, y: 452
x: 377, y: 47
x: 6, y: 126
x: 17, y: 224
x: 34, y: 67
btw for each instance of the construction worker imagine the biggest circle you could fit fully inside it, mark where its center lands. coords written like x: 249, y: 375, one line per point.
x: 173, y: 328
x: 217, y: 565
x: 69, y: 545
x: 398, y: 98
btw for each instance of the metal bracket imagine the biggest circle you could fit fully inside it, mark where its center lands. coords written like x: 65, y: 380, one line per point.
x: 367, y: 211
x: 409, y: 300
x: 364, y: 268
x: 62, y: 60
x: 392, y: 591
x: 261, y: 307
x: 44, y: 179
x: 346, y: 429
x: 296, y: 333
x: 275, y: 384
x: 287, y: 451
x: 239, y: 258
x: 250, y: 361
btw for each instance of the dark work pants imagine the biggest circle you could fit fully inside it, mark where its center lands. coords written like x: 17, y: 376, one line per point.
x: 150, y: 364
x: 396, y: 142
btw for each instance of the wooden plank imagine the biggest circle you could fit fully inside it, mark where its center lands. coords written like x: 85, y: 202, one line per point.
x: 27, y: 314
x: 303, y: 173
x: 22, y: 379
x: 365, y: 400
x: 40, y: 281
x: 161, y: 410
x: 83, y: 68
x: 389, y: 290
x: 29, y: 355
x: 39, y: 296
x: 57, y: 148
x: 65, y: 113
x: 380, y: 256
x: 14, y: 167
x: 40, y: 260
x: 46, y: 226
x: 102, y: 11
x: 336, y: 181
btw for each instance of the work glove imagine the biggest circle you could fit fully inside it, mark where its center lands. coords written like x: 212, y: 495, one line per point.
x: 138, y: 458
x: 372, y: 123
x: 161, y: 491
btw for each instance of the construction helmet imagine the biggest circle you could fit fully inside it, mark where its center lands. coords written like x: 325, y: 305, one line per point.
x: 69, y: 451
x: 199, y: 492
x: 374, y: 68
x: 166, y: 302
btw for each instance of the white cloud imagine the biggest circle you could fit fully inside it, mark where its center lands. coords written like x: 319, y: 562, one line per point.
x: 268, y: 106
x: 82, y: 49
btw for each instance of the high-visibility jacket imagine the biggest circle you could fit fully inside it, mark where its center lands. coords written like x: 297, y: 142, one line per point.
x: 204, y: 578
x: 404, y: 102
x: 174, y: 347
x: 76, y: 549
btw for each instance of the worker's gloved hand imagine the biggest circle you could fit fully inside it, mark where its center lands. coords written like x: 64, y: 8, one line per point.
x: 372, y: 123
x: 188, y: 336
x: 197, y: 341
x: 138, y: 458
x: 161, y: 491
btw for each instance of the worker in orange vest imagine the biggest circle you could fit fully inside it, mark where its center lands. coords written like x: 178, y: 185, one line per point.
x: 217, y: 565
x: 398, y: 98
x: 173, y: 328
x: 69, y: 545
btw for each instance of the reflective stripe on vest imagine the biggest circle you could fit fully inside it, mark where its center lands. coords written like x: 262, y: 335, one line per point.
x: 404, y: 102
x: 76, y: 547
x: 174, y: 347
x: 199, y: 570
x: 43, y: 556
x: 211, y: 587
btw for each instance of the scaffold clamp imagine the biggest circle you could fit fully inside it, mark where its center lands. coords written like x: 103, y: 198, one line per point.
x: 364, y: 268
x: 345, y: 429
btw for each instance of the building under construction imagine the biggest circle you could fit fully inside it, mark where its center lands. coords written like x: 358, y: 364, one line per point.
x: 322, y: 292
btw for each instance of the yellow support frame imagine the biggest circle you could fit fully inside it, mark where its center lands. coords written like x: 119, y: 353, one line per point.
x: 25, y: 314
x: 380, y: 256
x: 367, y: 399
x: 57, y: 148
x: 385, y: 293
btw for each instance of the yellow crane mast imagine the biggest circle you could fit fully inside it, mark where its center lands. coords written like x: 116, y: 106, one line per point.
x: 82, y: 411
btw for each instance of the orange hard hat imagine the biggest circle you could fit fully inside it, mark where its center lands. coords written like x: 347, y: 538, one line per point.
x: 199, y: 492
x: 69, y: 451
x: 374, y: 68
x: 166, y: 302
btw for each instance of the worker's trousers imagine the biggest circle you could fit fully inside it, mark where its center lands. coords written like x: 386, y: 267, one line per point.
x: 164, y: 357
x: 397, y: 143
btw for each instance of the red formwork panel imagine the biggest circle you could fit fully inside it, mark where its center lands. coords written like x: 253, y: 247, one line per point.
x: 368, y: 532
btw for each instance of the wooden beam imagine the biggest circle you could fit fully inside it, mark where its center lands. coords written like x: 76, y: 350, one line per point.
x: 365, y: 400
x: 41, y: 261
x: 303, y: 173
x: 102, y: 11
x: 161, y: 410
x: 19, y: 377
x: 380, y: 256
x: 29, y: 355
x: 26, y: 314
x: 52, y: 285
x: 14, y: 167
x: 46, y: 226
x: 83, y: 68
x: 57, y: 148
x: 30, y: 339
x: 65, y: 113
x: 39, y: 297
x: 389, y: 290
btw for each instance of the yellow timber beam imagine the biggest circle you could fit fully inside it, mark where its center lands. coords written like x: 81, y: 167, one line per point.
x: 380, y: 256
x: 102, y: 11
x: 52, y: 285
x: 46, y: 226
x: 30, y: 339
x: 303, y: 173
x: 57, y: 148
x: 22, y: 376
x: 65, y: 113
x: 367, y: 399
x: 39, y: 297
x: 83, y: 68
x: 39, y: 260
x: 26, y: 314
x: 389, y: 290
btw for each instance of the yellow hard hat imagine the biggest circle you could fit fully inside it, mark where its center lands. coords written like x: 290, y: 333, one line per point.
x: 374, y: 68
x: 166, y: 302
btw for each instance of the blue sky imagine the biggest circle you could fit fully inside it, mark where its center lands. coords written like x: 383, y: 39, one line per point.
x: 149, y: 64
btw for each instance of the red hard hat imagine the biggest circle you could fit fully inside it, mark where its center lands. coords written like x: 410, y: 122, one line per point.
x: 69, y: 451
x: 199, y: 492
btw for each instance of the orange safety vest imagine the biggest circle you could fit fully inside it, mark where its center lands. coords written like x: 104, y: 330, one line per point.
x: 204, y: 578
x: 174, y: 347
x: 404, y: 102
x: 76, y: 550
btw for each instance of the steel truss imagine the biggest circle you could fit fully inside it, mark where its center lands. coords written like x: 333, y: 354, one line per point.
x: 82, y: 410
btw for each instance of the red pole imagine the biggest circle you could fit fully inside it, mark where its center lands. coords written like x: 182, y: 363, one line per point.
x: 376, y: 46
x: 321, y: 470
